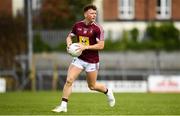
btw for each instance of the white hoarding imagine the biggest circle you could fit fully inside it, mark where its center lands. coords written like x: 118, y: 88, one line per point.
x: 117, y: 86
x: 2, y: 85
x: 162, y: 83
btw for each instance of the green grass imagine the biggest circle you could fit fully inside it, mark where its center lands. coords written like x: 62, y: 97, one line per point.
x: 41, y: 103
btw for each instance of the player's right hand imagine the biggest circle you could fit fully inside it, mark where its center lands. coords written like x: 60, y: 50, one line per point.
x: 67, y: 47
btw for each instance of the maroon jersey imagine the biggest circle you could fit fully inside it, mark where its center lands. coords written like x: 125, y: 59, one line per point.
x: 88, y: 35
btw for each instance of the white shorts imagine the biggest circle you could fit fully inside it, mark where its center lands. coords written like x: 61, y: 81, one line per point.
x: 88, y: 67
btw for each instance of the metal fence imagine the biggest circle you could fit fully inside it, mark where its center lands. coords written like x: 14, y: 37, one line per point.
x: 113, y: 66
x: 52, y: 37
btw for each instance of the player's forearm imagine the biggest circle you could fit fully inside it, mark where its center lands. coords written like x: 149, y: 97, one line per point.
x: 98, y: 46
x: 68, y: 41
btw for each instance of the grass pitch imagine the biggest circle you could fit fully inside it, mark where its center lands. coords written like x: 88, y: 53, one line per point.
x: 41, y: 103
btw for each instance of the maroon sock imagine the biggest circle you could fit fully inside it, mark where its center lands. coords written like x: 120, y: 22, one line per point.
x: 106, y: 91
x: 64, y: 99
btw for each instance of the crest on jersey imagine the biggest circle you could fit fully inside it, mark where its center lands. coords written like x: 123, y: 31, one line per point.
x: 84, y: 40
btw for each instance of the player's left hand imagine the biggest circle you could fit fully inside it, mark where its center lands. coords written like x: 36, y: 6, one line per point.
x: 82, y: 47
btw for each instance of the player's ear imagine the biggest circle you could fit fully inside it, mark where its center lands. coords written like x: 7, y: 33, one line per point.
x: 85, y: 14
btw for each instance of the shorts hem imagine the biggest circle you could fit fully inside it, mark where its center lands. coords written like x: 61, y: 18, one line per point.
x: 77, y: 65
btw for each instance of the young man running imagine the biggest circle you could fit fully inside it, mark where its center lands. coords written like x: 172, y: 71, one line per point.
x: 90, y: 36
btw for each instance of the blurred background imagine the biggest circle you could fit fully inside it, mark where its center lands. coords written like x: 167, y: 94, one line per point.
x: 142, y: 44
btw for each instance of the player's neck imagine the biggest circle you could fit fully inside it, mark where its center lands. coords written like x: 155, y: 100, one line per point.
x: 87, y: 22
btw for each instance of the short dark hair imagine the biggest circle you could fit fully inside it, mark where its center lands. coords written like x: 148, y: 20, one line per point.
x: 89, y: 6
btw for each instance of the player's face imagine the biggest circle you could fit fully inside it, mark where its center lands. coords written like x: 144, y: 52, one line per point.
x: 90, y: 15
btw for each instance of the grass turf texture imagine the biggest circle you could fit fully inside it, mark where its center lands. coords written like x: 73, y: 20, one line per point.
x: 41, y: 103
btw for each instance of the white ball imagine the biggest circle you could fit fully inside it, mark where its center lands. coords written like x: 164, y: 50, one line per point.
x: 73, y: 50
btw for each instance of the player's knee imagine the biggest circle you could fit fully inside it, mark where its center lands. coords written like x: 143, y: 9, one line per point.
x: 69, y: 82
x: 91, y: 87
